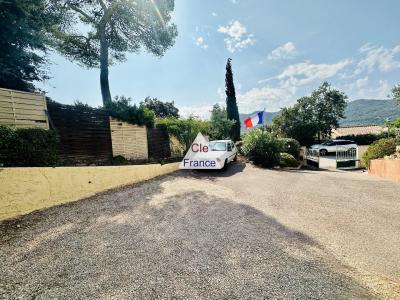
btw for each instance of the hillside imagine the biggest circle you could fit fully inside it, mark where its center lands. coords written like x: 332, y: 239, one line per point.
x: 370, y: 112
x: 358, y: 112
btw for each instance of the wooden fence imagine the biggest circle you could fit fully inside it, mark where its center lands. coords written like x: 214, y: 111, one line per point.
x: 84, y: 132
x: 158, y: 141
x: 22, y: 109
x: 129, y: 141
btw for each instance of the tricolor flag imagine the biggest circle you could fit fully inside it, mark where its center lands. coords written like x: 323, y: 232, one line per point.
x: 254, y: 119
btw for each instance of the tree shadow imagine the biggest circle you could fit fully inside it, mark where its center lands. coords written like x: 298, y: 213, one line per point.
x: 232, y: 169
x: 147, y: 241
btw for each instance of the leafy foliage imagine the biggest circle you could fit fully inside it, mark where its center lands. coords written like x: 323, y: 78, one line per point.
x: 396, y: 94
x: 231, y: 105
x: 220, y: 125
x: 288, y: 160
x: 290, y: 146
x: 380, y: 149
x: 112, y: 28
x: 295, y: 123
x: 185, y: 130
x: 314, y: 115
x: 363, y: 139
x: 23, y: 43
x: 262, y: 148
x: 28, y: 147
x: 122, y: 109
x: 161, y: 109
x: 394, y: 127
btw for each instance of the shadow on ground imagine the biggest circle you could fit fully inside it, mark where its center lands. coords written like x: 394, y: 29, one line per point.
x: 232, y: 169
x: 148, y: 242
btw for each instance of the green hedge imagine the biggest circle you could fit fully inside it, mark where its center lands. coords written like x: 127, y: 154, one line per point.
x: 380, y: 149
x: 287, y: 160
x: 364, y: 139
x: 28, y: 147
x: 120, y: 108
x: 262, y: 148
x: 290, y: 146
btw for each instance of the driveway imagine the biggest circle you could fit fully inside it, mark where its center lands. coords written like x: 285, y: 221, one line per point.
x: 244, y: 233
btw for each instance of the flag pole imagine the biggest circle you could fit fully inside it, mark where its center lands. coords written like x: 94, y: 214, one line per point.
x: 263, y: 120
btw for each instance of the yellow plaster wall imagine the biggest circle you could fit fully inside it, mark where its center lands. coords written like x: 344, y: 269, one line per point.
x: 23, y: 190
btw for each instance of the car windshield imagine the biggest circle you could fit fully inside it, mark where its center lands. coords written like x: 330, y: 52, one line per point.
x: 327, y: 143
x: 218, y: 146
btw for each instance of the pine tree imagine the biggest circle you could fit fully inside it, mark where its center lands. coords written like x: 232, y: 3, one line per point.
x: 231, y: 105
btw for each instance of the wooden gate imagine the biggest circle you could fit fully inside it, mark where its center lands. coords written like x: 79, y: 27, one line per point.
x: 84, y: 132
x: 158, y: 142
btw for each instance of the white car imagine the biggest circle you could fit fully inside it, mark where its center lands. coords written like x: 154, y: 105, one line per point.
x: 223, y: 151
x: 331, y: 146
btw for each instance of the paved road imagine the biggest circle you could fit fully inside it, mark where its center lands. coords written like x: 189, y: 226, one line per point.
x: 246, y: 233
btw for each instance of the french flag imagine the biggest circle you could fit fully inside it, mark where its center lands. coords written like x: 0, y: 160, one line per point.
x: 254, y: 119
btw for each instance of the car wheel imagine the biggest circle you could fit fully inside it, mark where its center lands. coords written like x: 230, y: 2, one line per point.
x: 323, y: 152
x: 225, y: 165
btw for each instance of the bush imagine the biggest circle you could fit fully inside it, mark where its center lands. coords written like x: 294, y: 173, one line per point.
x: 28, y: 147
x: 290, y: 146
x: 363, y: 139
x: 239, y: 146
x: 380, y: 149
x: 287, y: 160
x: 122, y: 110
x: 185, y: 130
x: 262, y: 148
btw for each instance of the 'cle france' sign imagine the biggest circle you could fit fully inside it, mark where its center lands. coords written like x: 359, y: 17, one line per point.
x: 200, y: 156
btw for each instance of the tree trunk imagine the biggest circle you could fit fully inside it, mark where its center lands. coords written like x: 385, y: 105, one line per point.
x: 104, y: 84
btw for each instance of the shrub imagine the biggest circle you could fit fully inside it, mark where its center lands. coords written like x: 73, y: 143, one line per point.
x: 185, y: 130
x: 239, y: 146
x: 290, y: 146
x: 121, y: 109
x: 287, y: 160
x: 380, y: 149
x: 28, y: 147
x: 363, y: 139
x: 262, y: 148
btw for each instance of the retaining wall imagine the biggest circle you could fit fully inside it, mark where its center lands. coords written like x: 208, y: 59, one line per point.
x: 23, y: 190
x: 386, y: 168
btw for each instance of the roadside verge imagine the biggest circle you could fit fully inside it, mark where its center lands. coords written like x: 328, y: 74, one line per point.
x: 23, y: 190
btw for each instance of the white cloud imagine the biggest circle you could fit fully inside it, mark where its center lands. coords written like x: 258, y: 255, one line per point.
x: 200, y: 42
x: 384, y: 59
x: 270, y: 98
x: 363, y: 89
x: 214, y: 14
x: 307, y: 72
x: 288, y: 83
x: 362, y: 82
x: 221, y: 93
x: 237, y: 36
x: 201, y: 111
x: 285, y: 51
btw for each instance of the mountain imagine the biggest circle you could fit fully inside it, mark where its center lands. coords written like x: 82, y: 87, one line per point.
x: 358, y: 112
x: 370, y: 112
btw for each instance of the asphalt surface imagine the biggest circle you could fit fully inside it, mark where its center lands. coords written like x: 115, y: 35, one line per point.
x: 246, y: 233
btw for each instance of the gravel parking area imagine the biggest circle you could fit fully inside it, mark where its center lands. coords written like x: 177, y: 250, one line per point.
x: 244, y: 233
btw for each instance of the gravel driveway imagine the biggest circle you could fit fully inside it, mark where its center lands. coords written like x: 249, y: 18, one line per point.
x: 244, y: 233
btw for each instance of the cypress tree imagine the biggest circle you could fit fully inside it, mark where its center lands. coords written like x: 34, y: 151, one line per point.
x: 231, y: 105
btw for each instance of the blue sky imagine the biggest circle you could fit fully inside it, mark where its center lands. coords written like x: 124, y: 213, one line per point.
x: 280, y: 50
